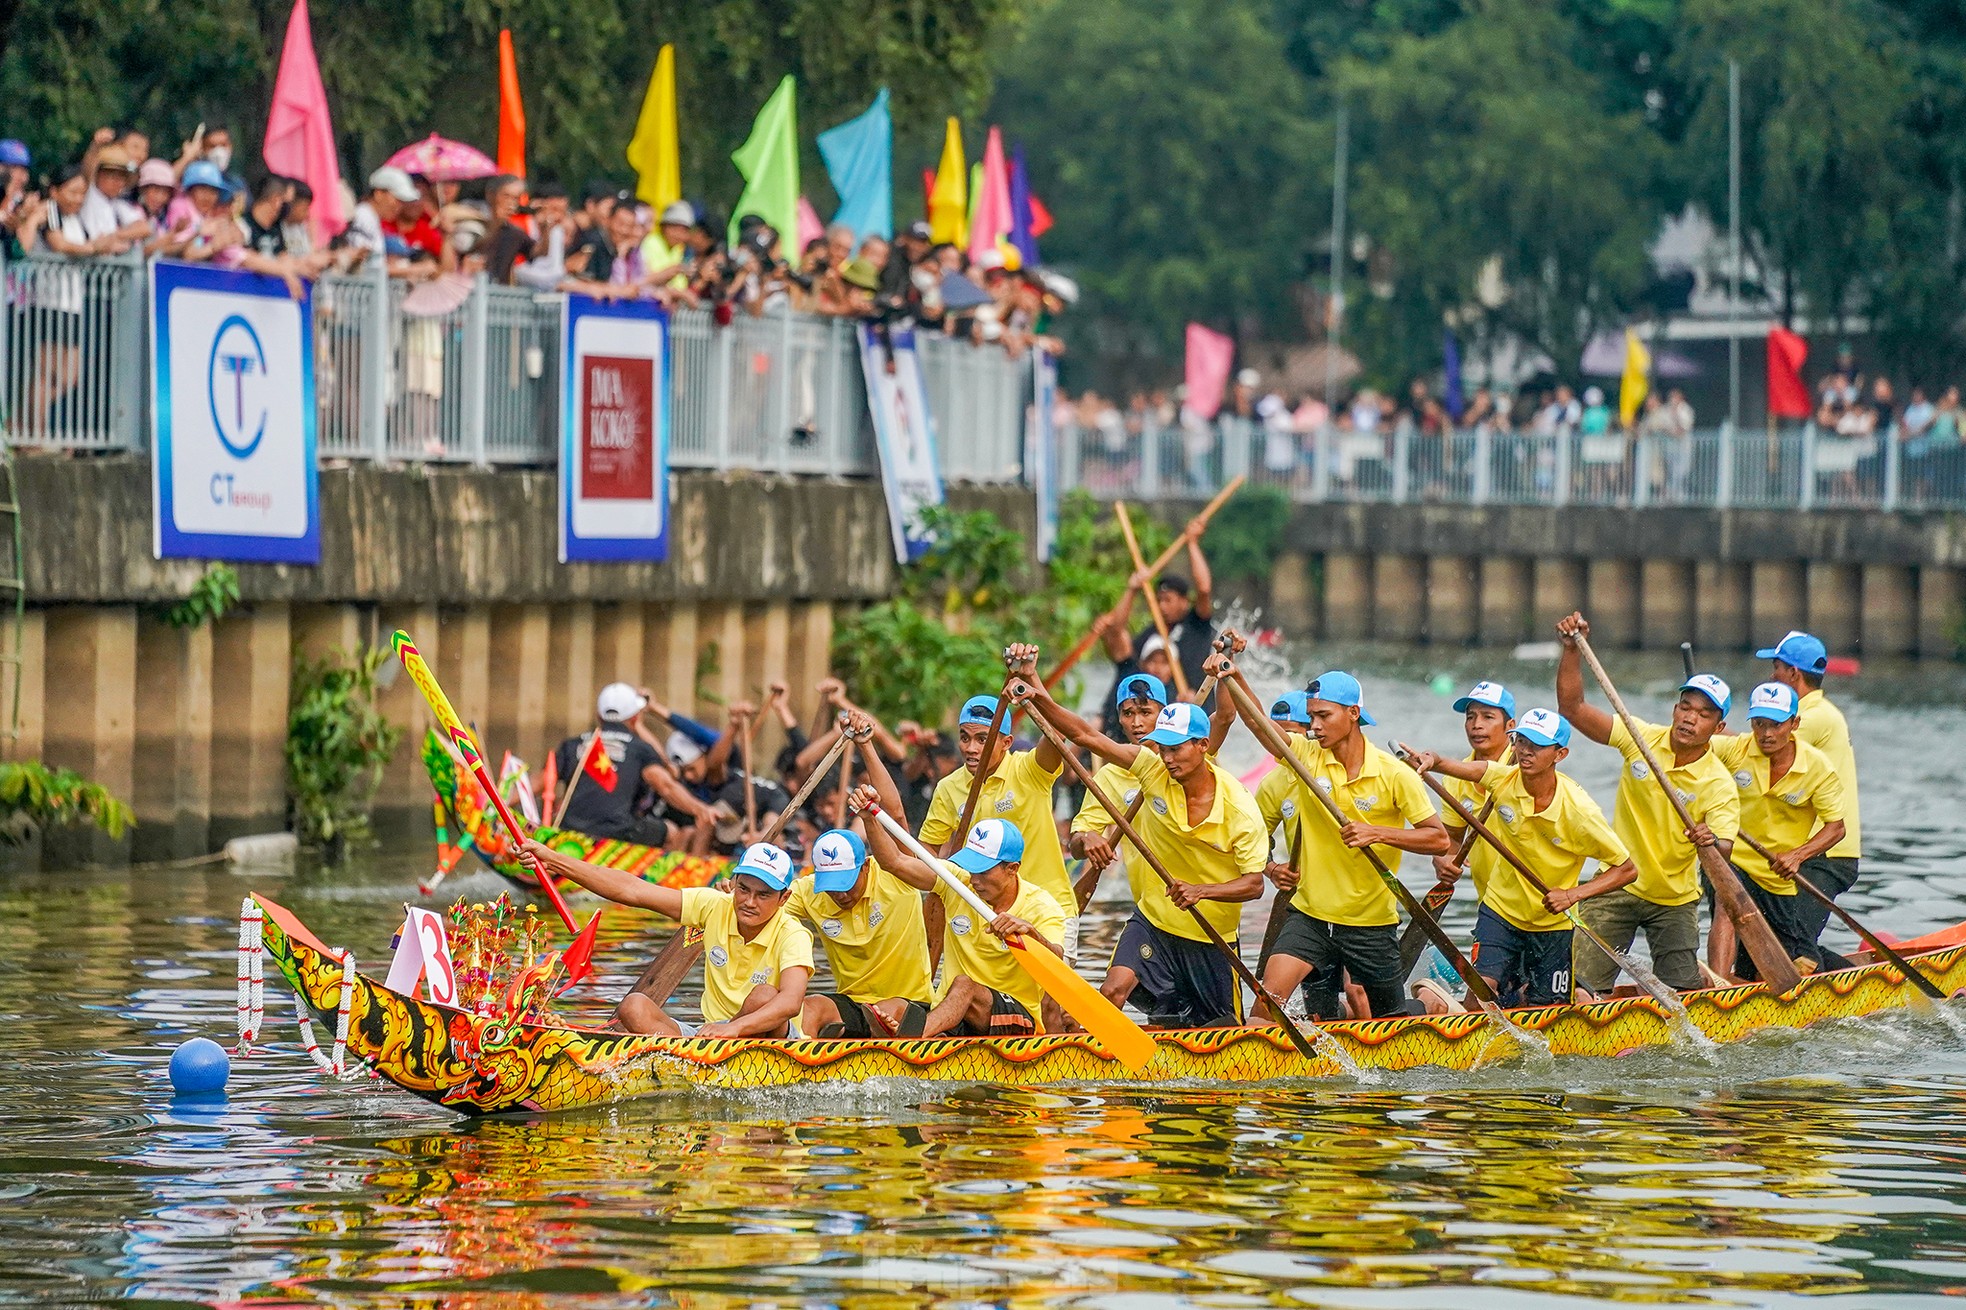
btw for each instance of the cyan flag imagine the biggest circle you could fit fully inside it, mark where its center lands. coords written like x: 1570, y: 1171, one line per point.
x: 859, y: 156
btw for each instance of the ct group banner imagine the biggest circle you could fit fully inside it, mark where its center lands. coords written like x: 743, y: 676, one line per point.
x: 1041, y: 448
x: 904, y: 432
x: 614, y: 430
x: 231, y: 417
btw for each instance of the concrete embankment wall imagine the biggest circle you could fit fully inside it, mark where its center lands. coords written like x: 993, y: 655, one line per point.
x: 190, y: 724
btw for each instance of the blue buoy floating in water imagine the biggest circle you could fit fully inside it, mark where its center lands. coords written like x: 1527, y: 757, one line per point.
x: 199, y: 1068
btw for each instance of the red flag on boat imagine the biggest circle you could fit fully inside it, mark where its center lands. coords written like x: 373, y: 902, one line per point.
x: 599, y: 765
x: 1788, y: 397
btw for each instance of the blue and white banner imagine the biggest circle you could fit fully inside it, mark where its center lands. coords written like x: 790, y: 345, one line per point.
x: 1041, y: 448
x: 614, y: 430
x: 904, y: 432
x: 231, y: 417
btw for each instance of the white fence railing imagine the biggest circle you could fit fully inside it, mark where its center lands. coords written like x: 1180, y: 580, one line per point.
x: 480, y: 382
x: 1795, y: 467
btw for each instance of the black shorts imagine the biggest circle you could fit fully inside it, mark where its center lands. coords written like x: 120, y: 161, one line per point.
x: 1788, y: 917
x: 1008, y: 1018
x: 1527, y: 968
x: 1369, y: 954
x: 858, y: 1023
x: 1183, y: 983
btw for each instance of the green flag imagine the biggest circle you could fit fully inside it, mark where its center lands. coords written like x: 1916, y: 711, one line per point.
x: 769, y: 161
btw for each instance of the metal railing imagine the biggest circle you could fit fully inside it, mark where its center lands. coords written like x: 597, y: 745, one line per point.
x: 1795, y: 467
x: 479, y: 381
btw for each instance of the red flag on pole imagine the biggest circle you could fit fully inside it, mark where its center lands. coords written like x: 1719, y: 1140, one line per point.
x: 599, y: 764
x: 1788, y: 397
x: 511, y: 110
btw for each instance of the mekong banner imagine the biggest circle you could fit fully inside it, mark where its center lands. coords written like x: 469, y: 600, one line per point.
x: 904, y: 433
x: 614, y: 430
x: 231, y: 417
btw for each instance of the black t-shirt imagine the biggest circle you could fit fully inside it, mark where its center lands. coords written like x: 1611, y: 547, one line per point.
x: 728, y: 801
x: 601, y: 257
x: 269, y: 241
x: 509, y: 245
x: 595, y: 809
x: 1194, y: 641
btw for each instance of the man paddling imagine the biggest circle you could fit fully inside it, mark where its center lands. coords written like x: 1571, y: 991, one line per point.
x: 1342, y: 917
x: 1800, y: 662
x: 1139, y: 699
x: 607, y: 782
x: 1487, y: 717
x: 1522, y: 939
x: 1791, y: 803
x: 1204, y: 827
x: 984, y: 992
x: 1663, y: 901
x: 756, y: 958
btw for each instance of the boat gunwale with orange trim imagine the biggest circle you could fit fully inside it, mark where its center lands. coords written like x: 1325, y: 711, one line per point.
x: 487, y: 1065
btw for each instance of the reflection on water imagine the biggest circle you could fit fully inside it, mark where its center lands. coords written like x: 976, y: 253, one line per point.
x: 1813, y: 1164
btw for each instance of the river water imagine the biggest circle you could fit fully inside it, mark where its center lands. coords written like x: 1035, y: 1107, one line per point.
x: 1816, y: 1168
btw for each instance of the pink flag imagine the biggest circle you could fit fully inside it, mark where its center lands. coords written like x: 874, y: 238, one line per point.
x: 299, y: 136
x: 810, y: 230
x: 992, y: 221
x: 1210, y: 355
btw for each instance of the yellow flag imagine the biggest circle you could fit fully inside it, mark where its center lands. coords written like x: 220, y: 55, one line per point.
x: 948, y: 202
x: 1633, y: 386
x: 653, y: 153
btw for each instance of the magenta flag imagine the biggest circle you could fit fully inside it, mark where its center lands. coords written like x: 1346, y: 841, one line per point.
x: 299, y: 134
x: 993, y: 219
x: 810, y: 230
x: 1210, y: 356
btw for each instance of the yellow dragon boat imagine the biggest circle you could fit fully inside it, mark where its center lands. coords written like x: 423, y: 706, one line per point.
x: 485, y: 1064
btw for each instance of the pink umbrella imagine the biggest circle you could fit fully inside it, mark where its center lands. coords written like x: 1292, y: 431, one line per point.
x: 442, y: 160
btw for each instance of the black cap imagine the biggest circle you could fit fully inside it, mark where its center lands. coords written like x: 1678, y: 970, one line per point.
x: 1173, y: 582
x: 920, y: 230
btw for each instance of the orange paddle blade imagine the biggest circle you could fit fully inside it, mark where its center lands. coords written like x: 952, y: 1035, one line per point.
x: 1123, y: 1039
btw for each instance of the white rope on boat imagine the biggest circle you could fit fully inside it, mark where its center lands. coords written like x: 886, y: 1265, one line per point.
x: 252, y: 987
x: 337, y: 1065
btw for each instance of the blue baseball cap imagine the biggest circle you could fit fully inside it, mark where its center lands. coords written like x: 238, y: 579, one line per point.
x: 978, y: 709
x: 991, y: 842
x: 1291, y: 707
x: 203, y: 172
x: 1773, y: 701
x: 768, y: 864
x: 1713, y: 689
x: 1140, y: 686
x: 14, y: 154
x: 1798, y: 650
x: 1177, y: 723
x: 1492, y: 694
x: 836, y: 860
x: 1542, y: 728
x: 1340, y: 688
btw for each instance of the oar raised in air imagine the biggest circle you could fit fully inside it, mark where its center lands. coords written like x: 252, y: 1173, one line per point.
x: 680, y: 953
x: 579, y: 957
x: 1656, y: 989
x: 1777, y: 970
x: 1125, y: 824
x: 1123, y: 1039
x: 1871, y: 939
x: 1153, y: 601
x: 1272, y: 739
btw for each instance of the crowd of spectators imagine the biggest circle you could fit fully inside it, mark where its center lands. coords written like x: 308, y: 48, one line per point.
x: 119, y: 197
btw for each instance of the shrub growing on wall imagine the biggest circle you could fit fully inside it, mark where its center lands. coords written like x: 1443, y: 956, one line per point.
x: 337, y: 746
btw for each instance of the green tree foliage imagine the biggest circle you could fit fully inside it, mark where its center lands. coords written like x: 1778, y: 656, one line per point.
x: 34, y: 797
x: 337, y: 745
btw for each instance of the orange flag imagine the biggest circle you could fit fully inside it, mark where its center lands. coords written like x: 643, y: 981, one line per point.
x: 511, y: 110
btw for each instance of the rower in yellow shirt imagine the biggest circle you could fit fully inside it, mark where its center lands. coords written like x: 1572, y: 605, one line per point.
x: 1792, y: 803
x: 1664, y: 899
x: 1522, y: 939
x: 1141, y: 697
x: 984, y: 991
x: 756, y: 959
x: 1800, y: 662
x: 870, y: 926
x: 1487, y: 717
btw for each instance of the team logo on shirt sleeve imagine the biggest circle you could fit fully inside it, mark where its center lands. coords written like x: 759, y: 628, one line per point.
x: 1160, y: 806
x: 831, y: 927
x: 719, y: 957
x: 960, y: 925
x: 1289, y: 809
x: 1639, y: 770
x: 1743, y: 779
x: 1508, y: 814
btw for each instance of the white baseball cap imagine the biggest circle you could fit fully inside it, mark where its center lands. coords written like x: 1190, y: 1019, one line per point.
x: 619, y: 702
x: 991, y: 842
x: 683, y: 750
x: 768, y: 864
x: 396, y: 182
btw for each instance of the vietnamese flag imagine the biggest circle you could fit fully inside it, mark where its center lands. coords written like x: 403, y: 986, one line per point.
x: 599, y: 765
x: 1788, y: 396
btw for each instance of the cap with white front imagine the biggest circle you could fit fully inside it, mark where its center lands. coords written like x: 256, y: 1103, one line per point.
x: 1773, y: 701
x: 767, y: 864
x: 1492, y: 694
x: 1179, y: 722
x: 394, y: 181
x: 683, y: 750
x: 991, y: 842
x: 1798, y: 650
x: 836, y: 860
x: 1714, y: 689
x: 1542, y: 727
x: 1339, y: 688
x: 619, y: 702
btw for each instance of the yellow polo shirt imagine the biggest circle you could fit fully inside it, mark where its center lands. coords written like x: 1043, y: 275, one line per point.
x: 878, y: 948
x: 1276, y: 801
x: 1340, y: 884
x: 1668, y: 864
x: 1226, y: 843
x: 1780, y: 815
x: 1482, y: 859
x: 733, y: 966
x: 1019, y: 791
x: 1823, y: 727
x: 1556, y: 842
x: 972, y: 951
x: 1092, y: 817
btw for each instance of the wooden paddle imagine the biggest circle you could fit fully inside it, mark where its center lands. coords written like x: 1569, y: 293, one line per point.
x: 1871, y: 939
x: 1644, y: 977
x: 983, y: 769
x: 1153, y: 601
x: 579, y: 957
x: 1123, y: 1039
x: 1125, y: 824
x: 1770, y: 960
x: 1272, y: 739
x: 1410, y: 940
x: 680, y: 953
